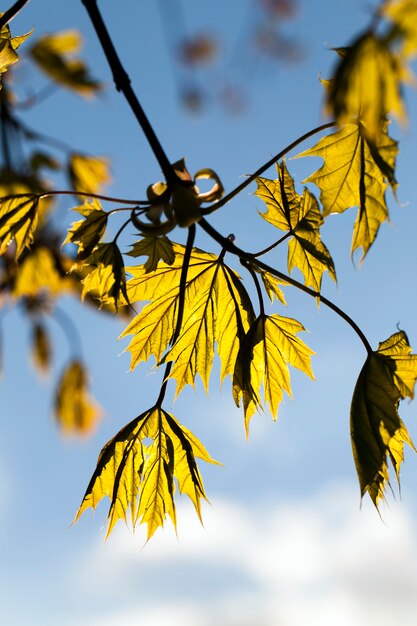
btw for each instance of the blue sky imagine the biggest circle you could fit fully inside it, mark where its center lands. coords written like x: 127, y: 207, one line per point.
x: 284, y: 539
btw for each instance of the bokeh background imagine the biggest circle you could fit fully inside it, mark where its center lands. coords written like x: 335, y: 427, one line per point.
x: 285, y: 540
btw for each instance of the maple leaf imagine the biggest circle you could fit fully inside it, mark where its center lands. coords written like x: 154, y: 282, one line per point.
x: 38, y: 274
x: 18, y: 220
x: 137, y: 470
x: 356, y: 173
x: 75, y: 411
x: 301, y: 217
x: 8, y: 47
x: 156, y: 249
x: 271, y: 283
x: 216, y: 310
x: 268, y: 348
x: 88, y: 174
x: 105, y: 274
x: 87, y: 233
x: 367, y: 84
x: 377, y: 432
x: 53, y: 55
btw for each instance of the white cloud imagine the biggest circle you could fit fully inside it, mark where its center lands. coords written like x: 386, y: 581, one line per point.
x: 317, y: 561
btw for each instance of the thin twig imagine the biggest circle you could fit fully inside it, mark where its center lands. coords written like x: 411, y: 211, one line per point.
x: 273, y: 245
x: 264, y: 167
x: 122, y: 83
x: 230, y: 246
x: 84, y: 194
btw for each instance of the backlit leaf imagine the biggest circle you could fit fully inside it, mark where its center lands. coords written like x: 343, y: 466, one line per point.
x: 301, y: 217
x: 88, y: 233
x: 106, y: 278
x: 156, y: 249
x: 75, y: 411
x: 377, y: 432
x: 403, y: 13
x: 367, y: 85
x: 137, y: 470
x: 18, y: 219
x: 269, y: 347
x: 38, y: 274
x: 88, y: 174
x: 271, y: 283
x: 356, y: 173
x: 217, y: 310
x: 8, y: 47
x: 54, y: 54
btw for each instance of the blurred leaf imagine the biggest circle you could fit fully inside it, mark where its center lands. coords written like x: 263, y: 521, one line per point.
x: 156, y: 249
x: 41, y: 348
x: 367, y: 85
x: 18, y: 219
x: 75, y: 411
x: 88, y: 174
x: 198, y: 50
x: 87, y: 233
x: 54, y: 56
x: 38, y: 274
x: 377, y: 432
x: 268, y: 348
x: 356, y: 172
x: 137, y: 468
x: 403, y: 13
x: 40, y: 160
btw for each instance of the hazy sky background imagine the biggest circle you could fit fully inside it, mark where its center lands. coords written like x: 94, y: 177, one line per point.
x: 285, y: 541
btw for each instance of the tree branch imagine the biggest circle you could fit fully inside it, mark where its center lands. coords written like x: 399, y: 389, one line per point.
x: 123, y: 84
x: 12, y: 12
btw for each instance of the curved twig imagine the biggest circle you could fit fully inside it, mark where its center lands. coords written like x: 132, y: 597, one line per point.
x: 264, y: 167
x: 230, y: 246
x: 122, y: 83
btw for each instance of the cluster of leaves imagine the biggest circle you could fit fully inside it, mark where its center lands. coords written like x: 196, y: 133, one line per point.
x: 195, y: 305
x: 34, y: 269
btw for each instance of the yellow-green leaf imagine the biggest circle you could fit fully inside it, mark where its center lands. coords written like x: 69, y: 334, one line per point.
x: 137, y: 470
x: 106, y: 278
x: 269, y: 347
x: 75, y: 411
x: 356, y: 173
x: 403, y: 14
x: 367, y: 85
x: 156, y: 249
x: 271, y: 283
x: 88, y: 174
x: 216, y: 310
x: 87, y: 233
x: 377, y: 432
x: 8, y: 47
x: 54, y: 55
x: 301, y: 217
x: 18, y: 220
x: 38, y: 274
